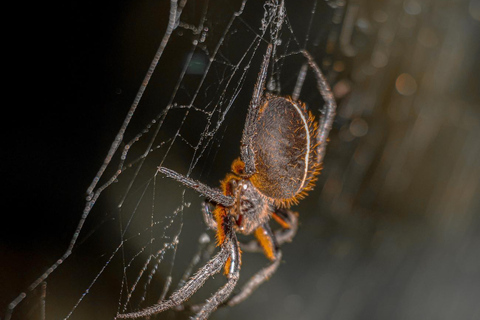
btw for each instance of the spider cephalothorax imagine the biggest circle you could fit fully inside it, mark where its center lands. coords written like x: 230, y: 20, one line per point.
x: 282, y: 149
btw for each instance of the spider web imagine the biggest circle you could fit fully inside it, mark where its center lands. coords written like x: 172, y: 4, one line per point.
x: 392, y: 228
x: 137, y: 235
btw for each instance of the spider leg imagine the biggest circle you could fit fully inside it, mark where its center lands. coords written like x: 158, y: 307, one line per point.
x: 246, y: 153
x: 330, y: 106
x: 213, y: 194
x: 229, y: 249
x: 267, y: 240
x: 181, y: 295
x: 255, y: 281
x: 300, y: 80
x: 288, y: 220
x: 224, y: 292
x: 207, y: 214
x: 205, y: 246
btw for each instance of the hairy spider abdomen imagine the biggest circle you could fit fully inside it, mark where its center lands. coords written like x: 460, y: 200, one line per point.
x: 283, y: 144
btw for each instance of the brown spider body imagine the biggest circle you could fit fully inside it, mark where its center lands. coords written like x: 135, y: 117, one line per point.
x: 283, y: 144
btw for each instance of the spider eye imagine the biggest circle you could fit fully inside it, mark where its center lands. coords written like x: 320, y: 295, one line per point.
x: 283, y: 144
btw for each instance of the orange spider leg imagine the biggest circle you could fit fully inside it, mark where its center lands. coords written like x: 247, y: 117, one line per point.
x: 220, y: 212
x: 266, y: 242
x: 281, y: 221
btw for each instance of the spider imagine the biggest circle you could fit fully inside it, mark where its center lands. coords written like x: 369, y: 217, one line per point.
x: 282, y: 149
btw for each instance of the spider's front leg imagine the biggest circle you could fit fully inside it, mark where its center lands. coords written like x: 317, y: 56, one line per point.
x: 213, y: 194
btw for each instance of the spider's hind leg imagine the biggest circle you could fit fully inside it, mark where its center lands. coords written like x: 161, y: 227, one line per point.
x: 328, y: 113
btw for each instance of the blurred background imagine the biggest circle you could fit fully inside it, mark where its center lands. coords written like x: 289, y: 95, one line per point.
x: 391, y: 231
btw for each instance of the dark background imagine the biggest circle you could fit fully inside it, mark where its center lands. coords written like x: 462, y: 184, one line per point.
x: 63, y: 105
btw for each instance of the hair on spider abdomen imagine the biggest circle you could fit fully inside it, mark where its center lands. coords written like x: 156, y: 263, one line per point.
x: 284, y: 150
